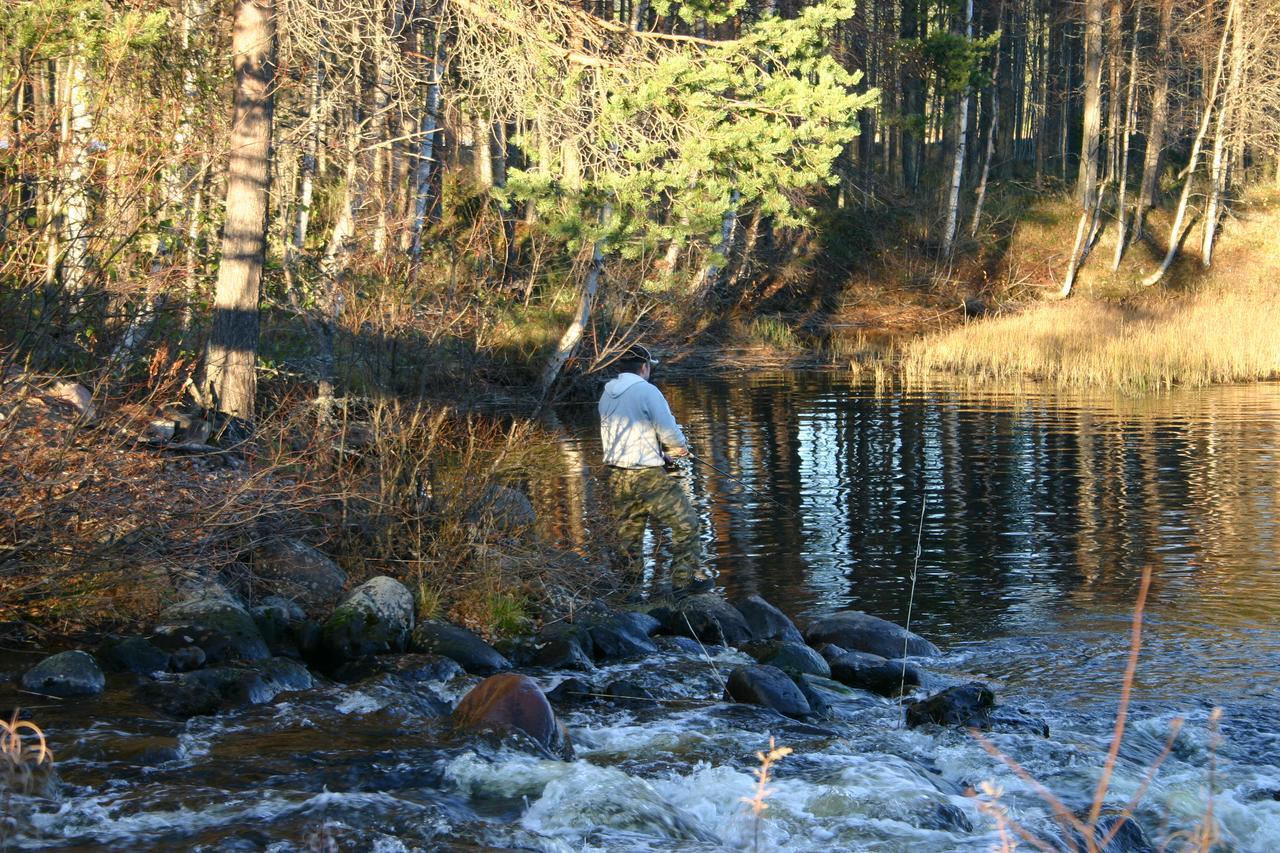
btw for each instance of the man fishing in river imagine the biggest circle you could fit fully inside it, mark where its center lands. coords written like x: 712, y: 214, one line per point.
x: 641, y: 439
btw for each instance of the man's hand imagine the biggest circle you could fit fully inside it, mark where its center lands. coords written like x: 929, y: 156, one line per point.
x: 678, y: 452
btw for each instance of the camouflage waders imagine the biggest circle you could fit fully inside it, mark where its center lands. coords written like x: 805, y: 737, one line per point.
x: 639, y: 493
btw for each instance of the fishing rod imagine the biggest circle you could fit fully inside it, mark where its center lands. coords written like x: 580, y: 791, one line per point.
x: 695, y: 458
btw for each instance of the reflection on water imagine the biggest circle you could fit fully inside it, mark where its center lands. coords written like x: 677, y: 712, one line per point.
x: 1039, y: 512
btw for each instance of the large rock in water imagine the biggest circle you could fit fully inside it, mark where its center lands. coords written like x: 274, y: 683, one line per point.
x: 770, y: 687
x: 872, y: 672
x: 969, y: 705
x: 216, y: 623
x: 66, y: 674
x: 617, y: 633
x: 513, y: 702
x: 474, y: 654
x: 795, y: 659
x: 135, y: 655
x: 856, y: 631
x: 503, y: 509
x: 206, y: 692
x: 707, y: 618
x: 294, y: 570
x: 767, y: 622
x: 376, y: 617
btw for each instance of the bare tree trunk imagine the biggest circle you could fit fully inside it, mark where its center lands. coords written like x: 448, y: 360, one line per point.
x: 962, y: 139
x: 986, y: 162
x: 306, y: 192
x: 913, y: 102
x: 77, y: 126
x: 483, y: 151
x: 1175, y: 232
x: 1130, y: 117
x: 709, y: 277
x: 1159, y: 120
x: 1091, y: 138
x: 230, y: 381
x: 572, y: 336
x: 1221, y: 137
x: 426, y: 152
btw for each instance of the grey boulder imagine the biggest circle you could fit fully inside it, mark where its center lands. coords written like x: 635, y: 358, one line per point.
x: 66, y: 674
x: 766, y: 621
x: 770, y: 687
x: 295, y: 570
x: 377, y: 617
x: 795, y: 659
x: 472, y: 653
x: 872, y: 672
x: 217, y: 623
x: 861, y: 632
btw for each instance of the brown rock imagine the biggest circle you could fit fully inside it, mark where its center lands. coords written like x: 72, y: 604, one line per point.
x: 510, y: 701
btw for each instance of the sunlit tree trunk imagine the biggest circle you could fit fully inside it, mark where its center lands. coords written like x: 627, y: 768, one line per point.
x: 76, y: 129
x: 1130, y: 114
x: 1222, y: 137
x: 572, y: 336
x: 230, y: 380
x: 1159, y: 119
x: 1179, y: 217
x: 962, y: 137
x: 427, y: 147
x: 1091, y: 137
x: 705, y: 284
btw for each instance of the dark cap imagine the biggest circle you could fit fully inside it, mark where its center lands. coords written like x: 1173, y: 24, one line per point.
x: 637, y: 352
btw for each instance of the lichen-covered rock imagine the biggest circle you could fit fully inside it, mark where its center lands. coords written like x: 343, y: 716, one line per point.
x: 295, y: 570
x: 513, y: 702
x: 872, y: 672
x: 770, y: 687
x: 795, y: 659
x: 767, y: 622
x: 377, y: 617
x: 134, y: 654
x: 474, y: 654
x: 66, y: 674
x: 217, y: 623
x: 856, y: 631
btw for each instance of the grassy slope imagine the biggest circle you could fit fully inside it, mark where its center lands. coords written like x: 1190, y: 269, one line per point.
x: 1196, y: 328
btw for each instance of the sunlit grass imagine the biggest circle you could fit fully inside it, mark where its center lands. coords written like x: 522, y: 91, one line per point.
x: 1225, y: 332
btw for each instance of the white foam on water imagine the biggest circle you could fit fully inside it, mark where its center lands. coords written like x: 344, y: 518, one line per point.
x: 356, y: 702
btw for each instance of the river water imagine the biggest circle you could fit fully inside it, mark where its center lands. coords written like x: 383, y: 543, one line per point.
x: 1034, y: 514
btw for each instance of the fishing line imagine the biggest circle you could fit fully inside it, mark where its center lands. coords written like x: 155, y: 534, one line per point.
x: 753, y: 491
x: 911, y: 599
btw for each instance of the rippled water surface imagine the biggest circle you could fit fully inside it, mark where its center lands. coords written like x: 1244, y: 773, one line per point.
x: 1035, y: 514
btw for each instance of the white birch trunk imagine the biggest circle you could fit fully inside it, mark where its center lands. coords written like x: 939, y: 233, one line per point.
x: 426, y: 157
x: 1130, y: 119
x: 957, y: 167
x: 1221, y: 137
x: 77, y: 127
x: 572, y: 336
x: 1175, y: 231
x: 709, y: 276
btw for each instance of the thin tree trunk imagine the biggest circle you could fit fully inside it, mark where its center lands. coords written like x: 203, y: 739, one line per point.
x: 1221, y: 138
x: 1159, y: 120
x: 1175, y: 232
x: 1130, y: 118
x: 78, y: 125
x: 1091, y: 137
x: 306, y: 192
x: 962, y: 138
x: 707, y: 280
x: 230, y: 381
x: 426, y: 152
x: 992, y: 129
x: 572, y: 336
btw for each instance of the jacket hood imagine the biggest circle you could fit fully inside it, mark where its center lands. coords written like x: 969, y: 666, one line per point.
x: 621, y: 383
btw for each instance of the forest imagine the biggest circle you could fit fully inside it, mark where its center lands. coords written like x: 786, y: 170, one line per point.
x: 353, y: 250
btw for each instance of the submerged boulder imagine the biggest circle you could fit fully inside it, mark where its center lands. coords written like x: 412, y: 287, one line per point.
x: 377, y: 617
x: 968, y: 705
x: 206, y: 692
x: 134, y: 654
x: 770, y: 687
x: 795, y: 659
x: 767, y: 622
x: 617, y: 634
x: 510, y: 701
x: 472, y: 653
x: 295, y: 570
x: 707, y: 618
x: 67, y: 675
x: 872, y: 672
x: 856, y: 631
x: 627, y: 694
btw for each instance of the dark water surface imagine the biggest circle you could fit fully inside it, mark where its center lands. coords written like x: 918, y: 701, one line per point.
x: 1040, y: 512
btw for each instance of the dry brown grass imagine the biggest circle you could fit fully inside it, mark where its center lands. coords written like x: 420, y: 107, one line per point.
x: 1224, y: 331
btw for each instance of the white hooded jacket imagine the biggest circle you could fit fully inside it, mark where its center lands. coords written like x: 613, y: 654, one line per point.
x: 636, y: 423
